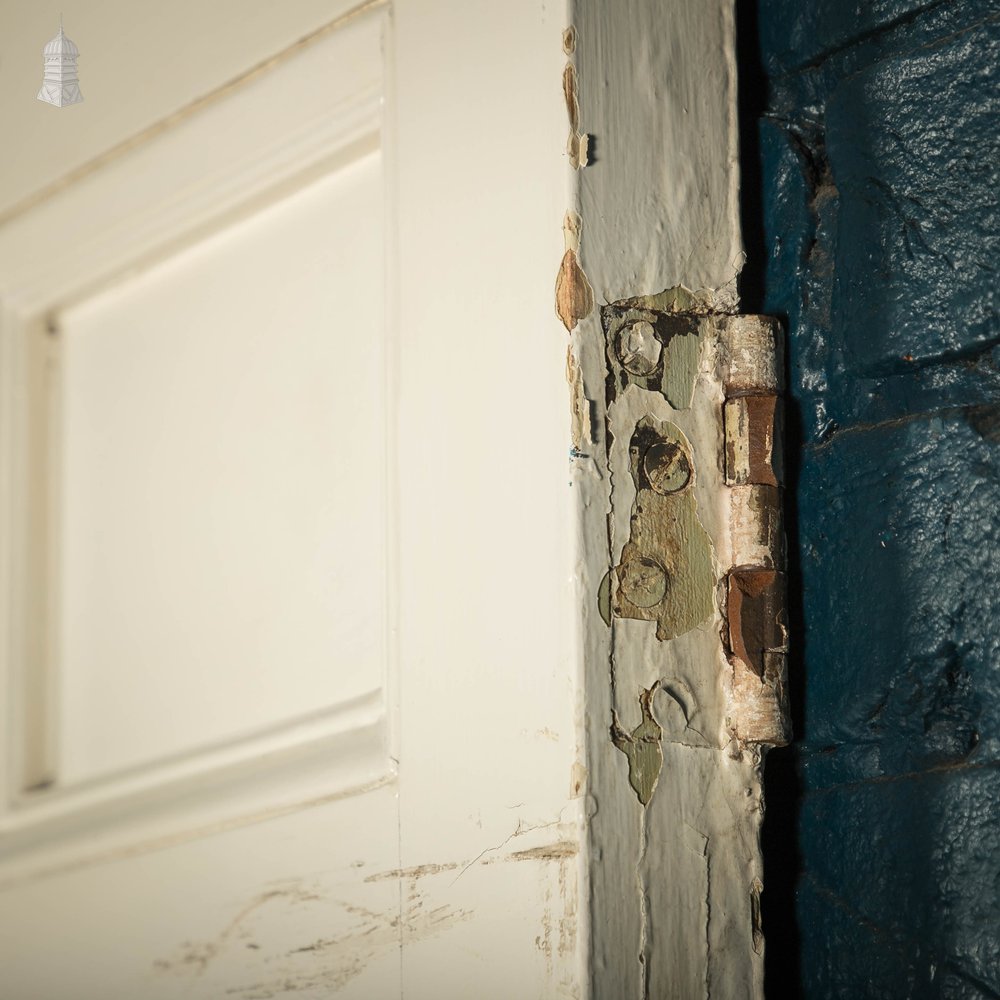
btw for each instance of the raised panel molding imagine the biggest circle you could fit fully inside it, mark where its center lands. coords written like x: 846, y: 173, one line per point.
x: 308, y: 115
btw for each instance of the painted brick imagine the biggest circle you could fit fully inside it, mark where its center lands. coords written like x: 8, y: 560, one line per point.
x: 898, y: 539
x: 894, y: 899
x: 880, y: 160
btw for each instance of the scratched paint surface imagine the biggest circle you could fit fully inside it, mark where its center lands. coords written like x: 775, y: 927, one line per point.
x: 879, y: 152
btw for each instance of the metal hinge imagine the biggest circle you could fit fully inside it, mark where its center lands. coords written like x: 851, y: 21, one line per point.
x: 694, y: 448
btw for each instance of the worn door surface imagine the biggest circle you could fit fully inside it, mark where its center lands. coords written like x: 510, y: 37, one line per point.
x: 287, y: 612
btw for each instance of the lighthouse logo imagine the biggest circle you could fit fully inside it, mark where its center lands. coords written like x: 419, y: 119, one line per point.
x: 60, y: 86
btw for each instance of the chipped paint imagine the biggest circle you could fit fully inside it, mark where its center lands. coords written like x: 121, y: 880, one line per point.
x: 659, y: 351
x: 678, y: 299
x: 666, y: 400
x: 757, y: 537
x: 604, y: 598
x: 578, y: 143
x: 579, y: 405
x: 642, y: 747
x: 666, y: 569
x: 669, y: 876
x: 752, y: 355
x: 574, y: 294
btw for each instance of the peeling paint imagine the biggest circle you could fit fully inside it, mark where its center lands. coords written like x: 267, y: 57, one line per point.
x: 678, y: 522
x: 756, y: 533
x: 666, y: 573
x: 752, y: 355
x: 659, y: 351
x: 579, y: 405
x: 668, y: 901
x: 578, y: 143
x: 574, y: 294
x: 570, y: 96
x: 642, y: 747
x: 680, y: 299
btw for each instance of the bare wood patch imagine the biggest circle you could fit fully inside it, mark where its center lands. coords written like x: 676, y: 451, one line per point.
x: 574, y: 294
x: 579, y: 405
x: 578, y: 143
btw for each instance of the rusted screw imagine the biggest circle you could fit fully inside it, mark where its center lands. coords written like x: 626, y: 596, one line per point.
x: 667, y: 467
x: 638, y: 348
x: 643, y: 581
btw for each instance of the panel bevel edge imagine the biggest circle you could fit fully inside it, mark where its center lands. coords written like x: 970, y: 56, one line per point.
x: 345, y: 752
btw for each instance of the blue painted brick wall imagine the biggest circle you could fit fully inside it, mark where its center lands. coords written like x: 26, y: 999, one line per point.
x: 879, y: 178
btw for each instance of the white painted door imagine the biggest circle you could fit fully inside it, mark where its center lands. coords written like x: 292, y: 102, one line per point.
x: 290, y: 685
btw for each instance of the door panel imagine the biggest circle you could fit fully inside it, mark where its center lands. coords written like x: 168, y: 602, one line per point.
x: 200, y: 776
x: 221, y: 557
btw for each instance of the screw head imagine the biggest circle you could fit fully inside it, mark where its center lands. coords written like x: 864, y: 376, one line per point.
x: 643, y: 581
x: 667, y: 467
x: 639, y: 349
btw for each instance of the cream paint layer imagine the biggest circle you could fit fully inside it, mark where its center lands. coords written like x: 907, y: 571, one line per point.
x: 674, y: 858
